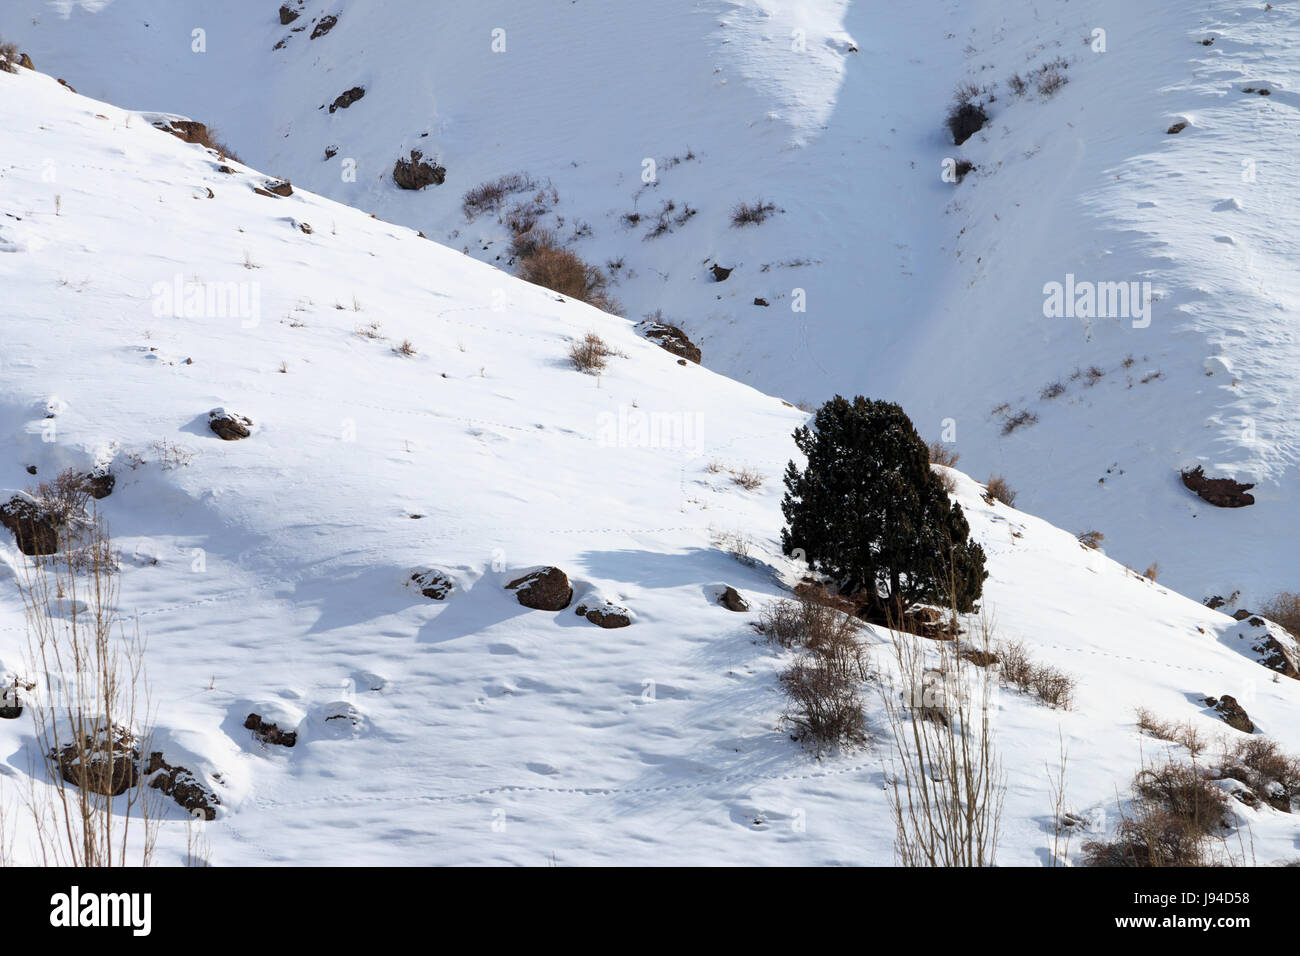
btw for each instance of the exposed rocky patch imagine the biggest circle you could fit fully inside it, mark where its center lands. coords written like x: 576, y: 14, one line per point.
x: 325, y: 25
x: 228, y: 426
x: 547, y: 589
x: 34, y: 527
x: 671, y: 339
x: 965, y: 121
x: 731, y: 599
x: 1233, y: 714
x: 100, y: 483
x: 1272, y: 644
x: 721, y: 273
x: 269, y: 733
x: 606, y: 615
x: 107, y: 761
x: 188, y: 131
x: 416, y: 173
x: 1220, y: 492
x: 274, y: 187
x: 432, y: 583
x: 11, y: 698
x: 347, y: 98
x: 288, y: 14
x: 181, y: 784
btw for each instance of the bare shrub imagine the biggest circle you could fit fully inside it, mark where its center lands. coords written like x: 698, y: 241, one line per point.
x: 1020, y: 419
x: 1271, y: 774
x: 66, y: 497
x: 370, y: 330
x: 1176, y: 813
x: 747, y: 478
x: 1150, y: 838
x: 87, y: 714
x: 997, y: 489
x: 947, y: 784
x: 524, y: 244
x: 9, y: 56
x: 1152, y: 572
x: 1284, y: 609
x: 1055, y: 390
x: 405, y: 348
x: 1182, y: 733
x: 735, y: 543
x: 590, y: 353
x: 781, y: 620
x: 171, y: 456
x: 1052, y: 686
x: 941, y: 454
x: 1062, y: 821
x: 489, y: 196
x: 525, y: 214
x: 825, y: 707
x: 562, y: 271
x: 1185, y: 791
x: 1015, y: 665
x: 1049, y: 80
x: 805, y: 621
x: 751, y: 214
x: 966, y: 115
x: 821, y: 686
x: 1091, y: 539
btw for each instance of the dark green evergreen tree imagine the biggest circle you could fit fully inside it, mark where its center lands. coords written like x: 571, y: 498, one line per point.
x: 869, y: 512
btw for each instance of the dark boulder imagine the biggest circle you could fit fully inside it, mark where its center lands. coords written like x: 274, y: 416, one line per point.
x: 34, y: 527
x: 731, y: 599
x: 275, y: 187
x: 671, y: 339
x: 100, y: 483
x: 547, y: 589
x: 105, y: 761
x: 347, y: 98
x: 269, y: 733
x: 228, y: 426
x: 965, y: 121
x: 325, y: 25
x: 1233, y: 714
x: 1220, y: 492
x: 432, y: 583
x: 416, y: 173
x: 607, y: 615
x: 183, y: 786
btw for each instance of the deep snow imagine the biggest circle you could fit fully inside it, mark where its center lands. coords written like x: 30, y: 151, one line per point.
x: 270, y: 574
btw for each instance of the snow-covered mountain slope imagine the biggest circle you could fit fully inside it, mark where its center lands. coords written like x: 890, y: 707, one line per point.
x: 270, y: 575
x: 917, y: 289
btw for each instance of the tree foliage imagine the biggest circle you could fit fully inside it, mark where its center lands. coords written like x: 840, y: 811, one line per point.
x: 869, y: 512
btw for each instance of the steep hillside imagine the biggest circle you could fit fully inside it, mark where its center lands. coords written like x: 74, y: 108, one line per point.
x: 880, y: 274
x: 271, y: 575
